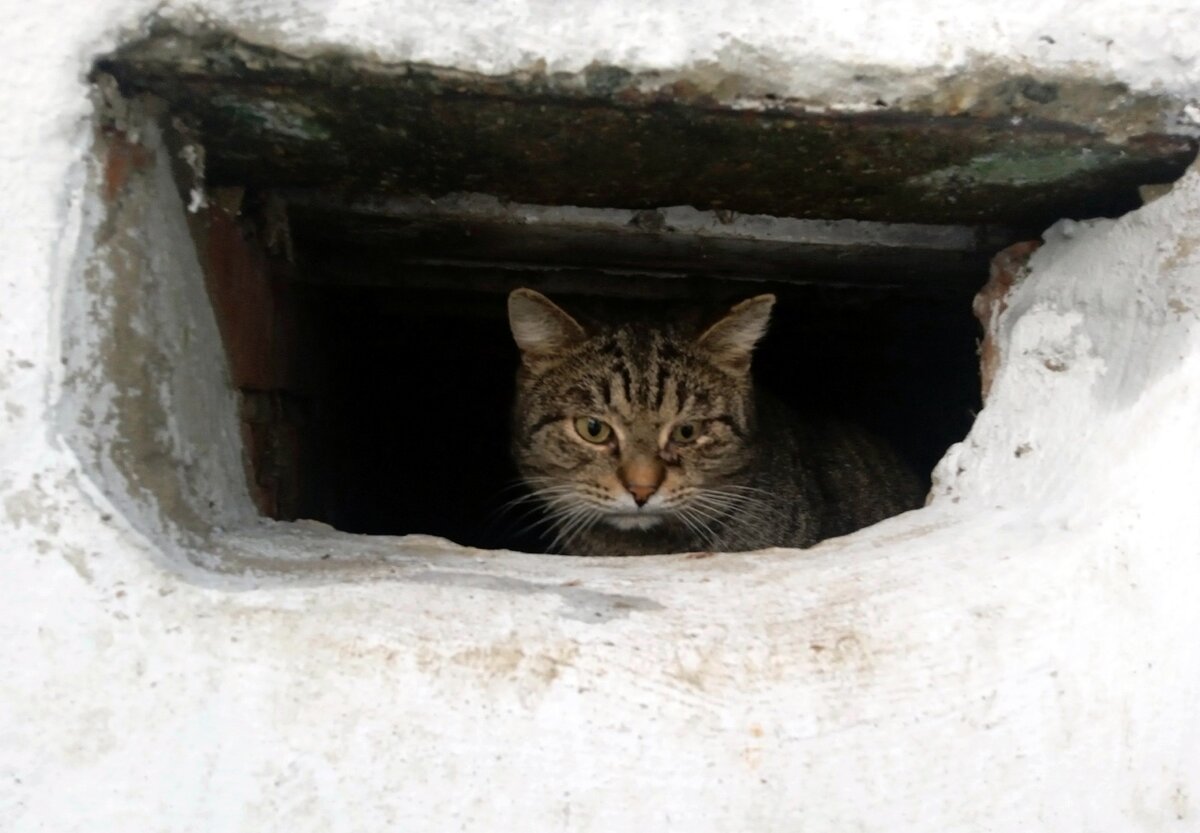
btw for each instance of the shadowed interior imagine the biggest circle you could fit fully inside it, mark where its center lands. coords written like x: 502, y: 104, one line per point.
x: 420, y: 383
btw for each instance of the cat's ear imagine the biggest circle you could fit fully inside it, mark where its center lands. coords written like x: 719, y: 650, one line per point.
x: 541, y: 329
x: 731, y: 340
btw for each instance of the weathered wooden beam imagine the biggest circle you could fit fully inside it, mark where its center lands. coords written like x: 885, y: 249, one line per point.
x: 1023, y: 153
x: 479, y: 242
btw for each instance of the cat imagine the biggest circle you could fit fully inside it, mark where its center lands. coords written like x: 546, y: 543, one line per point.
x: 640, y: 438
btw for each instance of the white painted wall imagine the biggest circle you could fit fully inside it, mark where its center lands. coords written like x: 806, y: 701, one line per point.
x: 1018, y: 656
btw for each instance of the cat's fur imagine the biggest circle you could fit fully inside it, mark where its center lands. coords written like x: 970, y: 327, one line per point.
x: 751, y: 475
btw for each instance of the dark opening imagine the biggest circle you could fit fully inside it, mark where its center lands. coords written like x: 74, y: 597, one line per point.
x: 410, y: 401
x: 420, y: 386
x: 361, y: 295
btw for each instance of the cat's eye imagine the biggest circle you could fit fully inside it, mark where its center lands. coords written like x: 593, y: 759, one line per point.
x: 684, y: 432
x: 593, y: 430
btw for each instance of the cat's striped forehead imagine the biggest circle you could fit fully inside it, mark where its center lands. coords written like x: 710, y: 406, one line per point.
x: 637, y: 372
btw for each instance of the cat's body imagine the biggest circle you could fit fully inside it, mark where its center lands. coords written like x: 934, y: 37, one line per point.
x: 644, y: 438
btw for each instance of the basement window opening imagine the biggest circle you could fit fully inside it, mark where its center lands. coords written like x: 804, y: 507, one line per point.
x: 360, y: 234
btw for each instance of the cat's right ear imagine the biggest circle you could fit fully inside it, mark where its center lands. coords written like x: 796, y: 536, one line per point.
x: 540, y: 327
x: 730, y: 342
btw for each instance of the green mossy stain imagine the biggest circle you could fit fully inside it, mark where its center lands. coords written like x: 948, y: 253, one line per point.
x: 1022, y: 168
x: 283, y: 119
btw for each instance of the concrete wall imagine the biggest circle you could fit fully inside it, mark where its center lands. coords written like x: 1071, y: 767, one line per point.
x: 1015, y: 656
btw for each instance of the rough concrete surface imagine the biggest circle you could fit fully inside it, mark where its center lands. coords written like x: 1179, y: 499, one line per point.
x: 1015, y: 656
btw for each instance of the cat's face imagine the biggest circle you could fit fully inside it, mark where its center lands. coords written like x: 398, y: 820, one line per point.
x: 633, y: 426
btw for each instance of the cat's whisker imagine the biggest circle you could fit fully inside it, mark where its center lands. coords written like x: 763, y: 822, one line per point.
x: 529, y: 503
x: 540, y: 494
x: 575, y: 520
x: 727, y: 513
x: 689, y: 510
x: 582, y: 528
x: 531, y: 484
x: 741, y: 504
x: 546, y: 523
x: 558, y: 504
x: 554, y: 525
x: 744, y: 506
x: 739, y: 487
x: 696, y: 522
x: 513, y: 511
x: 527, y: 498
x: 719, y: 509
x: 519, y: 483
x: 700, y: 531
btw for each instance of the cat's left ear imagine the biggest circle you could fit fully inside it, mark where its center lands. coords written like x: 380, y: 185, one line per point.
x: 731, y: 340
x: 540, y: 327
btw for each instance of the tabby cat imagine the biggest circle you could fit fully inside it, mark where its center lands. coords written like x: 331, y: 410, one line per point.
x: 650, y: 437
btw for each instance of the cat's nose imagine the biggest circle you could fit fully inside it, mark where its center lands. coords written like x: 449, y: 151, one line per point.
x: 640, y: 493
x: 642, y: 478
